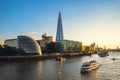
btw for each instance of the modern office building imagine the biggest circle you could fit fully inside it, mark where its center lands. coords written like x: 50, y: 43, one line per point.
x: 66, y: 45
x: 69, y: 46
x: 59, y: 35
x: 29, y: 45
x: 26, y: 44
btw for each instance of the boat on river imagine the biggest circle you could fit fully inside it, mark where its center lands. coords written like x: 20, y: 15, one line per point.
x: 89, y: 66
x: 103, y: 54
x: 114, y: 58
x: 60, y: 59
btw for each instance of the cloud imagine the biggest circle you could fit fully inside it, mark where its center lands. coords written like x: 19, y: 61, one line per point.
x: 32, y: 33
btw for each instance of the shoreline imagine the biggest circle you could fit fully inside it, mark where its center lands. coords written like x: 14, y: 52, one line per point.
x: 36, y: 57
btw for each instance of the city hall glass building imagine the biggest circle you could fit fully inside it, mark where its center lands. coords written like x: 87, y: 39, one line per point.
x: 25, y: 43
x: 28, y: 44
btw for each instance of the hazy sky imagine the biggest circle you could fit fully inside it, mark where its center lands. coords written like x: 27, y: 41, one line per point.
x: 83, y: 20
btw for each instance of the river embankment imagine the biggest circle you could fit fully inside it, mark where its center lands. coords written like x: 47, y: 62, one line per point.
x: 37, y: 57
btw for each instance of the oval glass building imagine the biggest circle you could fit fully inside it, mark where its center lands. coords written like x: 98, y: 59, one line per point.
x: 28, y: 45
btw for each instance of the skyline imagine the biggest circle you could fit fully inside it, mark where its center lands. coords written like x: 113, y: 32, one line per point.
x: 87, y: 21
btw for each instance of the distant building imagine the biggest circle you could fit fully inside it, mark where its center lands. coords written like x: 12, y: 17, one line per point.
x: 59, y: 35
x: 25, y: 43
x: 45, y: 40
x: 85, y: 49
x: 43, y: 44
x: 88, y: 49
x: 99, y: 49
x: 11, y: 43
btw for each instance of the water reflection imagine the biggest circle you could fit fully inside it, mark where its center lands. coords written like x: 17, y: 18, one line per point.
x: 62, y: 70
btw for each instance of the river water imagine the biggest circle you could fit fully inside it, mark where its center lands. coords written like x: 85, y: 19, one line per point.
x: 64, y: 70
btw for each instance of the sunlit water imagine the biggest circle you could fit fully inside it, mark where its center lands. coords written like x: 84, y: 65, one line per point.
x: 65, y: 70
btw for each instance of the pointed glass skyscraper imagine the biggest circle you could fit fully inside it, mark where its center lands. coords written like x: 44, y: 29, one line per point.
x: 59, y: 35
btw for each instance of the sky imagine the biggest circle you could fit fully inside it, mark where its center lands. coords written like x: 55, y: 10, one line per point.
x: 86, y: 21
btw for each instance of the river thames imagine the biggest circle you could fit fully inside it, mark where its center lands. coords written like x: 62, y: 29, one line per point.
x: 64, y: 70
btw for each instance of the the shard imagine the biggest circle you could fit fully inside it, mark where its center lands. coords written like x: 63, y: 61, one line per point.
x: 59, y: 35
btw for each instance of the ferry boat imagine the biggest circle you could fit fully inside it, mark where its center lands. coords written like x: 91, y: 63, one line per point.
x: 89, y: 66
x: 60, y: 58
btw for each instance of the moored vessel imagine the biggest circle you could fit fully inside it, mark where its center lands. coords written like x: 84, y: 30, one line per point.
x: 103, y: 54
x: 60, y: 58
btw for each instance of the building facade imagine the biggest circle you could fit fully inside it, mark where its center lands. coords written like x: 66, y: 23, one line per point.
x: 11, y: 43
x: 69, y: 46
x: 59, y: 34
x: 26, y: 44
x: 46, y: 38
x: 29, y: 45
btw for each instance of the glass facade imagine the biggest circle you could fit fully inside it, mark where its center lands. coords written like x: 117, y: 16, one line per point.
x: 70, y: 46
x: 28, y: 45
x: 11, y: 43
x: 59, y: 35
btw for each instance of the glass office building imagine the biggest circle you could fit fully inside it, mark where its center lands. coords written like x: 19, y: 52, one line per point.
x: 29, y: 45
x: 59, y: 35
x: 25, y: 43
x: 70, y: 46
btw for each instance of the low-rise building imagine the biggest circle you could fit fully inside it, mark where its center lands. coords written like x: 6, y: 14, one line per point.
x: 45, y: 40
x: 11, y: 43
x: 69, y: 46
